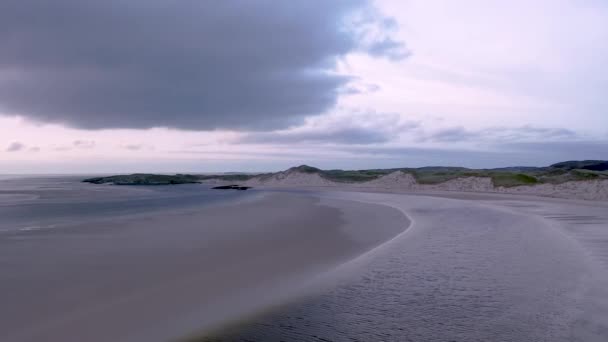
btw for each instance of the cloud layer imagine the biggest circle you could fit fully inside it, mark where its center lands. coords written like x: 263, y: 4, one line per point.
x: 15, y: 147
x: 356, y: 127
x: 194, y: 65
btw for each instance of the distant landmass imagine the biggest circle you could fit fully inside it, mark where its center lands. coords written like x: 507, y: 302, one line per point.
x: 145, y: 179
x: 587, y: 179
x: 505, y: 176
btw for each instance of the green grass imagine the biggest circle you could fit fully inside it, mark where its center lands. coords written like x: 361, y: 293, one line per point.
x: 354, y: 176
x: 431, y: 177
x: 513, y: 179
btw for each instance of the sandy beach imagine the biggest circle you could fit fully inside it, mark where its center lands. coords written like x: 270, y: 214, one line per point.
x: 157, y: 277
x: 301, y: 264
x: 472, y: 267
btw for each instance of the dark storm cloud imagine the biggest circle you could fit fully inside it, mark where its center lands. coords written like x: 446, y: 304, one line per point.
x: 184, y: 64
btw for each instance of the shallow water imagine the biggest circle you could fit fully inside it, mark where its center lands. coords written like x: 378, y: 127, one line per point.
x: 39, y: 202
x: 151, y: 264
x: 463, y: 272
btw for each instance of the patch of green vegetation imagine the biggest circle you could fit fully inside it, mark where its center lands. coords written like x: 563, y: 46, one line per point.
x: 589, y: 174
x: 435, y: 177
x: 353, y: 176
x: 305, y: 169
x: 513, y: 179
x: 144, y: 179
x: 593, y: 165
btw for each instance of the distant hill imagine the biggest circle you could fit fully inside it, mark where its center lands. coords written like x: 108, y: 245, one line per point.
x: 506, y: 177
x: 593, y: 165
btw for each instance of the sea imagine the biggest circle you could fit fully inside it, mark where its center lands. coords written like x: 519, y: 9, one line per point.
x: 33, y: 202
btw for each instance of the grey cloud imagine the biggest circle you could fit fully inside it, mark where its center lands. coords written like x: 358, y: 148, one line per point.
x: 529, y: 132
x: 495, y: 155
x: 136, y: 147
x: 501, y: 134
x: 346, y: 135
x: 388, y: 47
x: 358, y: 128
x: 357, y: 89
x: 454, y: 134
x: 34, y: 149
x: 15, y: 147
x: 562, y: 150
x: 84, y: 144
x: 374, y: 32
x: 132, y: 147
x: 189, y: 64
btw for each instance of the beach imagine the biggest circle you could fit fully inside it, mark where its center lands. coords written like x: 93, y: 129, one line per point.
x: 305, y: 264
x: 158, y: 276
x: 472, y: 267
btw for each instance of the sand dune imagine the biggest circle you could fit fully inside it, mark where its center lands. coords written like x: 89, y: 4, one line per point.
x: 399, y: 181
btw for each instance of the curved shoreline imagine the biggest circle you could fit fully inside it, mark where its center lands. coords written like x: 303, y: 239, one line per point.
x: 120, y: 279
x: 491, y: 269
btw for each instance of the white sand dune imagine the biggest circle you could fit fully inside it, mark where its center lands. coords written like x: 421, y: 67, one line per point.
x: 405, y: 182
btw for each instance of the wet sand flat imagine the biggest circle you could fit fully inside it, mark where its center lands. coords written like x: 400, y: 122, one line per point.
x: 472, y: 267
x: 157, y: 277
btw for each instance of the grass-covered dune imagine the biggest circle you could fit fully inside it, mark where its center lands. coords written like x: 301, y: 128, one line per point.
x: 505, y: 177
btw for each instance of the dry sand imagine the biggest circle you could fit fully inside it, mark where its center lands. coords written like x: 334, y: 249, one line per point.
x: 157, y: 277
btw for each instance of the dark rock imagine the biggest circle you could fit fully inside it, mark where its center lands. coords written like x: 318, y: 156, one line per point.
x: 231, y: 187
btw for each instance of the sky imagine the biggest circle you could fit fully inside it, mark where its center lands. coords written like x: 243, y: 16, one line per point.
x: 262, y: 85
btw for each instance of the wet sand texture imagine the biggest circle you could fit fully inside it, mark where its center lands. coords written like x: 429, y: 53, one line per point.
x: 159, y: 277
x: 492, y: 268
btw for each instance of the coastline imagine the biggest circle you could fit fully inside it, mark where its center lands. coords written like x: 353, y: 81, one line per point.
x: 501, y: 267
x: 285, y: 263
x: 202, y: 267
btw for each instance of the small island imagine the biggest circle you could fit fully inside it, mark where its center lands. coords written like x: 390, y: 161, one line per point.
x: 145, y: 179
x: 231, y: 187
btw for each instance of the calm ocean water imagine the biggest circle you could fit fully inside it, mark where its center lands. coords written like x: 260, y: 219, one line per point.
x: 41, y: 202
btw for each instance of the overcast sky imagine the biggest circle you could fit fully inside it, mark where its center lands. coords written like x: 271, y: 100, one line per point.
x: 207, y: 86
